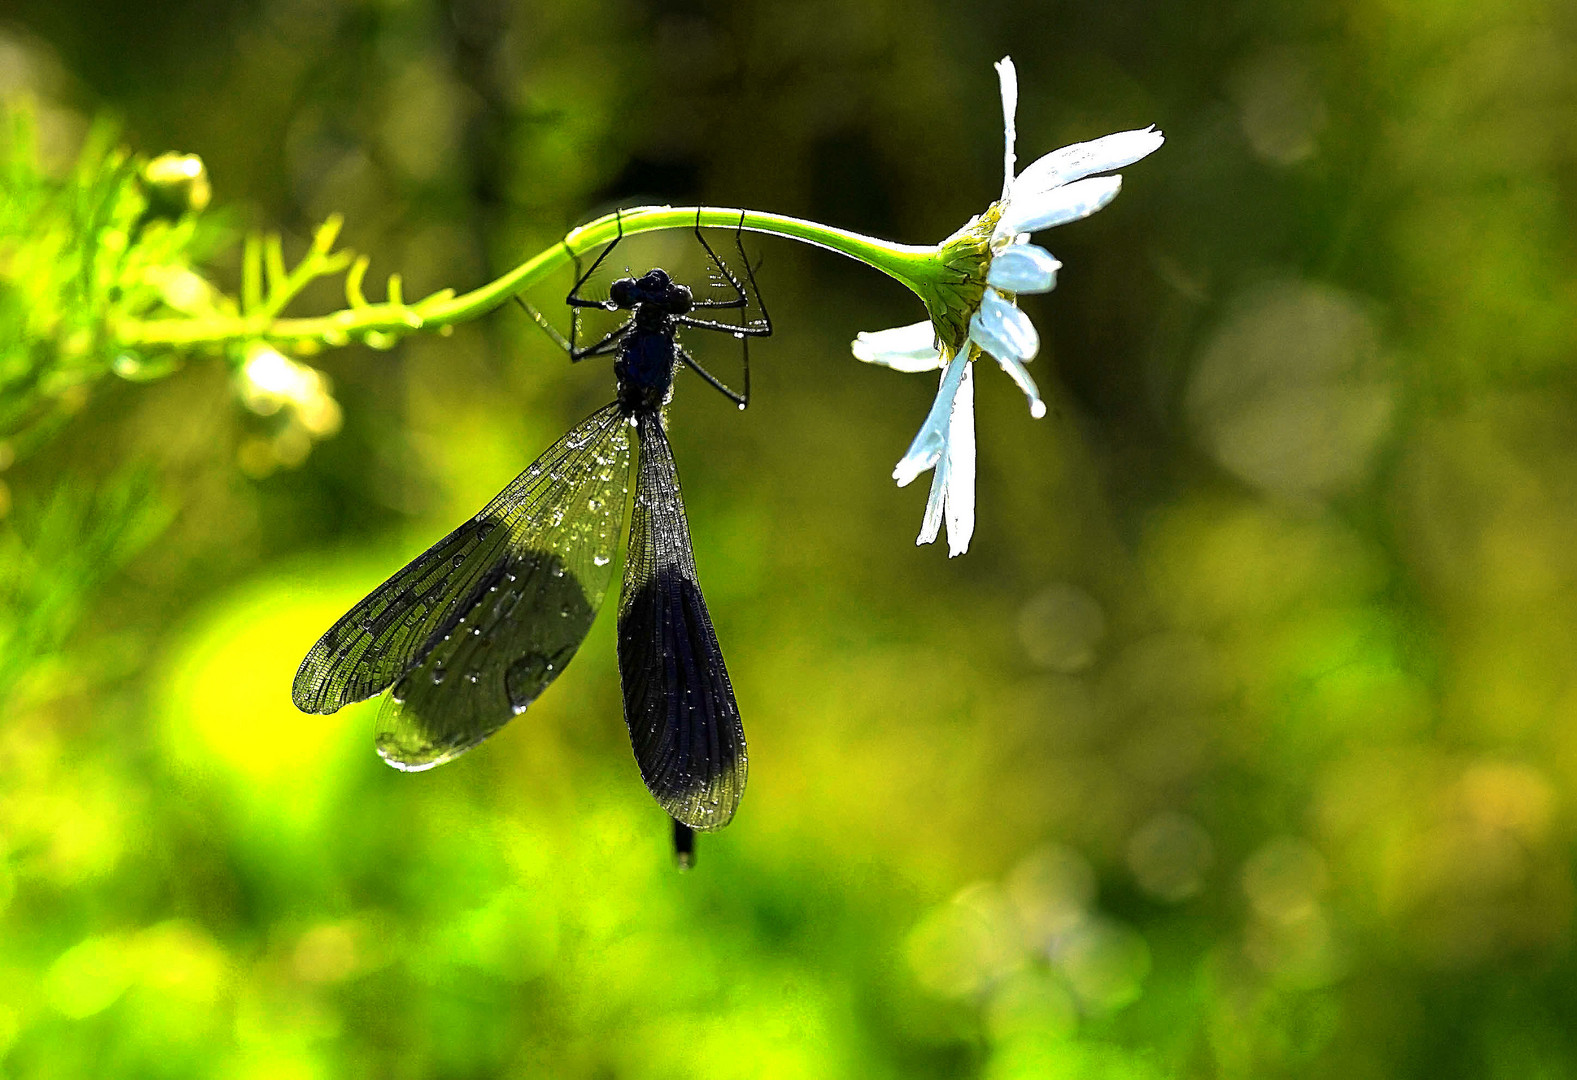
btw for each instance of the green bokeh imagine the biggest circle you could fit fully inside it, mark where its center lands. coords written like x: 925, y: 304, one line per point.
x: 1240, y: 744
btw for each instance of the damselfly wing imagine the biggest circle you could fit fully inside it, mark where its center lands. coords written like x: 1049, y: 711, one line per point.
x: 678, y: 701
x: 468, y: 634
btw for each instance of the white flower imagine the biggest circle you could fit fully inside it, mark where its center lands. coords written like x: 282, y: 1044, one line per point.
x: 298, y: 400
x: 270, y: 381
x: 1056, y: 189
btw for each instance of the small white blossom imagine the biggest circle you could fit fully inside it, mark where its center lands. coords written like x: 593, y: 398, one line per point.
x: 300, y: 399
x: 1056, y: 189
x: 271, y: 381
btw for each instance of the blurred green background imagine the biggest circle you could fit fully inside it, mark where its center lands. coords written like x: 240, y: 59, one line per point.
x: 1240, y: 744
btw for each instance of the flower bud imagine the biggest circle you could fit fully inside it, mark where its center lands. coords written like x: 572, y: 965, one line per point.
x: 175, y: 185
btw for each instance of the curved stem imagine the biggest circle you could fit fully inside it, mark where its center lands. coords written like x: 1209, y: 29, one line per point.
x: 911, y: 265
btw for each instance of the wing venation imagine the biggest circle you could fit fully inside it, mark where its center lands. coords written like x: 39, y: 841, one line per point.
x: 474, y: 629
x: 678, y: 701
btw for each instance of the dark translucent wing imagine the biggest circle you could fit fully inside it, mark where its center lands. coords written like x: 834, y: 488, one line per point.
x: 678, y: 702
x: 474, y: 629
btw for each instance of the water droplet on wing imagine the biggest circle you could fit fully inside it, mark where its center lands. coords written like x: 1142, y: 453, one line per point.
x: 525, y: 679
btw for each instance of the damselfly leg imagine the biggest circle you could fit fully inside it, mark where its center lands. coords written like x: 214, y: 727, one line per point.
x: 609, y: 342
x: 741, y: 300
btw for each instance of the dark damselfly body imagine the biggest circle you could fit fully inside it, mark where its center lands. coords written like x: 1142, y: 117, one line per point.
x: 472, y: 631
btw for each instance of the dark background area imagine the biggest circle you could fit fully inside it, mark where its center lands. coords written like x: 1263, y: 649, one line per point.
x: 1239, y: 744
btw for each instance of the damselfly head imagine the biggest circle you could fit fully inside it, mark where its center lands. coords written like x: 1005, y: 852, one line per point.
x: 654, y: 288
x: 625, y: 293
x: 679, y: 300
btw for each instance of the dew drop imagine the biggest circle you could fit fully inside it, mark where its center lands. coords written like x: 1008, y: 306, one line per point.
x: 525, y: 679
x: 401, y: 691
x: 601, y: 560
x: 438, y: 674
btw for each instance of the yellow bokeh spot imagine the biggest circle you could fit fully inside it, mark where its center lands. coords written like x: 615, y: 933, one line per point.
x: 229, y: 692
x: 89, y: 977
x: 182, y: 962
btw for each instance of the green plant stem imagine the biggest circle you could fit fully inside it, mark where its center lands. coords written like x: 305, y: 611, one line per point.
x: 911, y: 265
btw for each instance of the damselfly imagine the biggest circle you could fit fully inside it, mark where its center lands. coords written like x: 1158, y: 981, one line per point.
x: 471, y: 632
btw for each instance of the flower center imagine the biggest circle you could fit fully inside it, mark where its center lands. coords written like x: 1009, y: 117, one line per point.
x: 953, y: 292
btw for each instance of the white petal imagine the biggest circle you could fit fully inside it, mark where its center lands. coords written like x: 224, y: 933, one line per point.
x: 1007, y: 75
x: 960, y: 463
x: 953, y: 484
x: 1020, y: 374
x: 1033, y: 212
x: 1004, y: 331
x: 931, y: 523
x: 1086, y: 158
x: 928, y: 445
x: 1024, y: 268
x: 903, y: 348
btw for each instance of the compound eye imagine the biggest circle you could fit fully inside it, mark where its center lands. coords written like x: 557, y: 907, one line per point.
x: 680, y: 300
x: 623, y: 293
